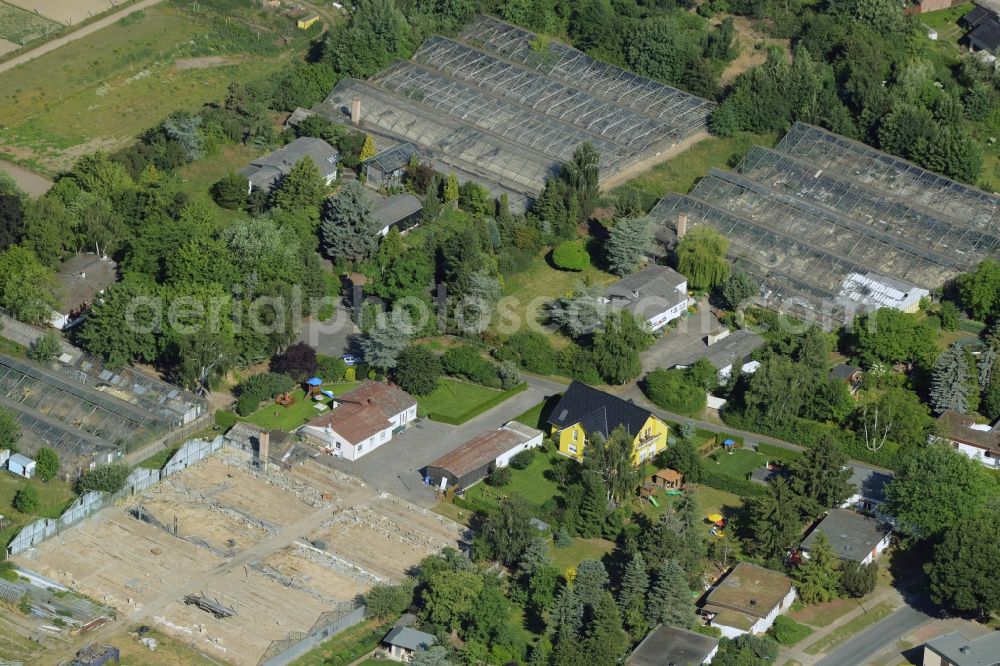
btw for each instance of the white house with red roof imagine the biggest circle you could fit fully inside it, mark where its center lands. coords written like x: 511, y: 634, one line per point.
x: 362, y: 420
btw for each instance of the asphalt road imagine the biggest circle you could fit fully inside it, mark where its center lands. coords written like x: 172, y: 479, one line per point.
x: 859, y: 649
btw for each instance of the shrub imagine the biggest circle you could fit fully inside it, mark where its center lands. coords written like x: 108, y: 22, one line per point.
x: 571, y: 256
x: 674, y: 391
x: 499, y: 477
x: 417, y: 370
x: 44, y: 348
x: 787, y: 631
x: 330, y: 368
x: 256, y: 389
x: 231, y: 191
x: 858, y: 579
x: 562, y: 538
x: 535, y: 352
x: 508, y: 374
x: 247, y: 404
x: 578, y: 363
x: 298, y: 361
x: 46, y: 463
x: 107, y: 478
x: 224, y: 419
x: 465, y: 362
x: 523, y: 459
x: 26, y: 500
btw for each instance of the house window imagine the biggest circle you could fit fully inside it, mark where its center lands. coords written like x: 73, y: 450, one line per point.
x: 572, y: 448
x: 576, y: 435
x: 987, y: 454
x: 649, y: 433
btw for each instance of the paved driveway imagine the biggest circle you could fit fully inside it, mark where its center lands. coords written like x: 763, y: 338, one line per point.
x: 679, y: 344
x: 394, y: 467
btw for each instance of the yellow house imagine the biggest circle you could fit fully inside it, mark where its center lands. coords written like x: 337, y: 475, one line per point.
x: 583, y: 411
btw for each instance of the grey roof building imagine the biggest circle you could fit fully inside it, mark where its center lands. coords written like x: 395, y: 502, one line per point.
x: 655, y: 294
x: 673, y: 645
x: 385, y: 170
x: 399, y: 210
x: 870, y: 483
x: 264, y: 172
x: 401, y: 642
x: 852, y: 536
x: 80, y: 281
x: 954, y: 649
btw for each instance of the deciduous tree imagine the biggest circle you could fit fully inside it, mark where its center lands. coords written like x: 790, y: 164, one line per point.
x: 417, y: 370
x: 960, y: 567
x: 701, y: 258
x: 46, y: 463
x: 25, y: 286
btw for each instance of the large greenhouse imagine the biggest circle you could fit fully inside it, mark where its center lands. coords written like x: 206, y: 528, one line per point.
x: 502, y: 108
x: 820, y: 208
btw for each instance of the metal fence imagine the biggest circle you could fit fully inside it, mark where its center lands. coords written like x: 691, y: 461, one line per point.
x: 279, y: 653
x: 90, y: 503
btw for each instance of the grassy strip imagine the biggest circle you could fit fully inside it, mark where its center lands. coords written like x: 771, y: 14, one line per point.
x: 858, y: 624
x: 347, y: 646
x: 477, y: 409
x: 158, y: 460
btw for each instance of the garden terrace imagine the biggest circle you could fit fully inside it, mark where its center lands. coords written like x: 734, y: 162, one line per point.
x: 892, y: 176
x: 483, y: 108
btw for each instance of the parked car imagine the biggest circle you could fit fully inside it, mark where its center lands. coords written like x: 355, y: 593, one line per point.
x: 350, y: 360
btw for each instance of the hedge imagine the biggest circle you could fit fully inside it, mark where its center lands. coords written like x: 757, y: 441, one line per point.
x: 715, y: 479
x: 478, y: 409
x: 671, y: 390
x: 777, y: 452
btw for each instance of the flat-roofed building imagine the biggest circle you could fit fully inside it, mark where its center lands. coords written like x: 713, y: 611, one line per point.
x: 747, y: 600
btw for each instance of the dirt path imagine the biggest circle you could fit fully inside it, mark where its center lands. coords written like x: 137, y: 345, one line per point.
x: 648, y: 163
x: 29, y: 181
x: 88, y: 29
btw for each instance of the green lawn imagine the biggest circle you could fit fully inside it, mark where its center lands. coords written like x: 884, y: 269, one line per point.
x: 737, y: 464
x: 850, y: 628
x: 537, y: 416
x: 530, y: 483
x: 22, y: 27
x: 528, y: 293
x: 198, y: 177
x: 579, y: 550
x: 277, y: 417
x: 682, y: 172
x: 945, y: 21
x: 53, y: 498
x: 455, y: 401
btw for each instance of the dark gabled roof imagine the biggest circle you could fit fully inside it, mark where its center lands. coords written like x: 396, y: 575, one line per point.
x: 672, y: 645
x: 842, y: 371
x: 851, y: 535
x: 976, y: 16
x: 597, y: 411
x: 987, y: 33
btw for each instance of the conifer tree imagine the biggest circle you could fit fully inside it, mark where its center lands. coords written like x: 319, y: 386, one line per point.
x: 669, y: 601
x: 818, y: 577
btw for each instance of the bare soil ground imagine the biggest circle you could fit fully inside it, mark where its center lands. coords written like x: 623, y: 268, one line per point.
x: 8, y: 46
x: 68, y: 12
x: 202, y: 63
x: 748, y: 36
x: 29, y: 181
x: 279, y: 549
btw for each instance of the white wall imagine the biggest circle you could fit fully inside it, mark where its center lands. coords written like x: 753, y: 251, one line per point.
x: 979, y: 454
x: 504, y: 459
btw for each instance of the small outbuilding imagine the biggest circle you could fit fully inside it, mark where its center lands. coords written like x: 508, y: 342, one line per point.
x: 96, y: 655
x: 473, y: 461
x: 668, y: 479
x: 80, y: 281
x: 672, y: 645
x: 401, y: 643
x: 385, y: 170
x: 853, y: 537
x: 400, y: 210
x: 21, y: 465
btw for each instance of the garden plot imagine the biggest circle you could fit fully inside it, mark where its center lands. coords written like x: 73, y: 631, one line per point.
x: 68, y: 12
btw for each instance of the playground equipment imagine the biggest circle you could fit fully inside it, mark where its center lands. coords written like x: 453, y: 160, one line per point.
x: 285, y: 399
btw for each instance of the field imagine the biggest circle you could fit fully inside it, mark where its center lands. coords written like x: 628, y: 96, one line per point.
x: 97, y: 93
x: 279, y: 549
x: 531, y: 290
x: 20, y: 26
x: 53, y: 497
x: 68, y: 12
x: 277, y: 417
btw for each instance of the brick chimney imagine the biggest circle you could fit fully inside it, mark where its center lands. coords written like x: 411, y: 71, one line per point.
x: 263, y: 449
x: 682, y: 225
x: 356, y: 111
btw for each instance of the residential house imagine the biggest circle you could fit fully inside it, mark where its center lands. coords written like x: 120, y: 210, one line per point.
x: 872, y: 291
x: 954, y: 649
x: 362, y: 420
x: 726, y: 351
x: 869, y: 483
x: 654, y: 294
x: 851, y: 375
x: 475, y: 459
x: 385, y: 170
x: 584, y: 411
x: 672, y: 645
x: 80, y: 281
x: 852, y: 537
x: 264, y: 173
x: 983, y: 23
x: 401, y: 643
x: 747, y: 600
x: 400, y: 210
x: 21, y: 465
x: 976, y: 440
